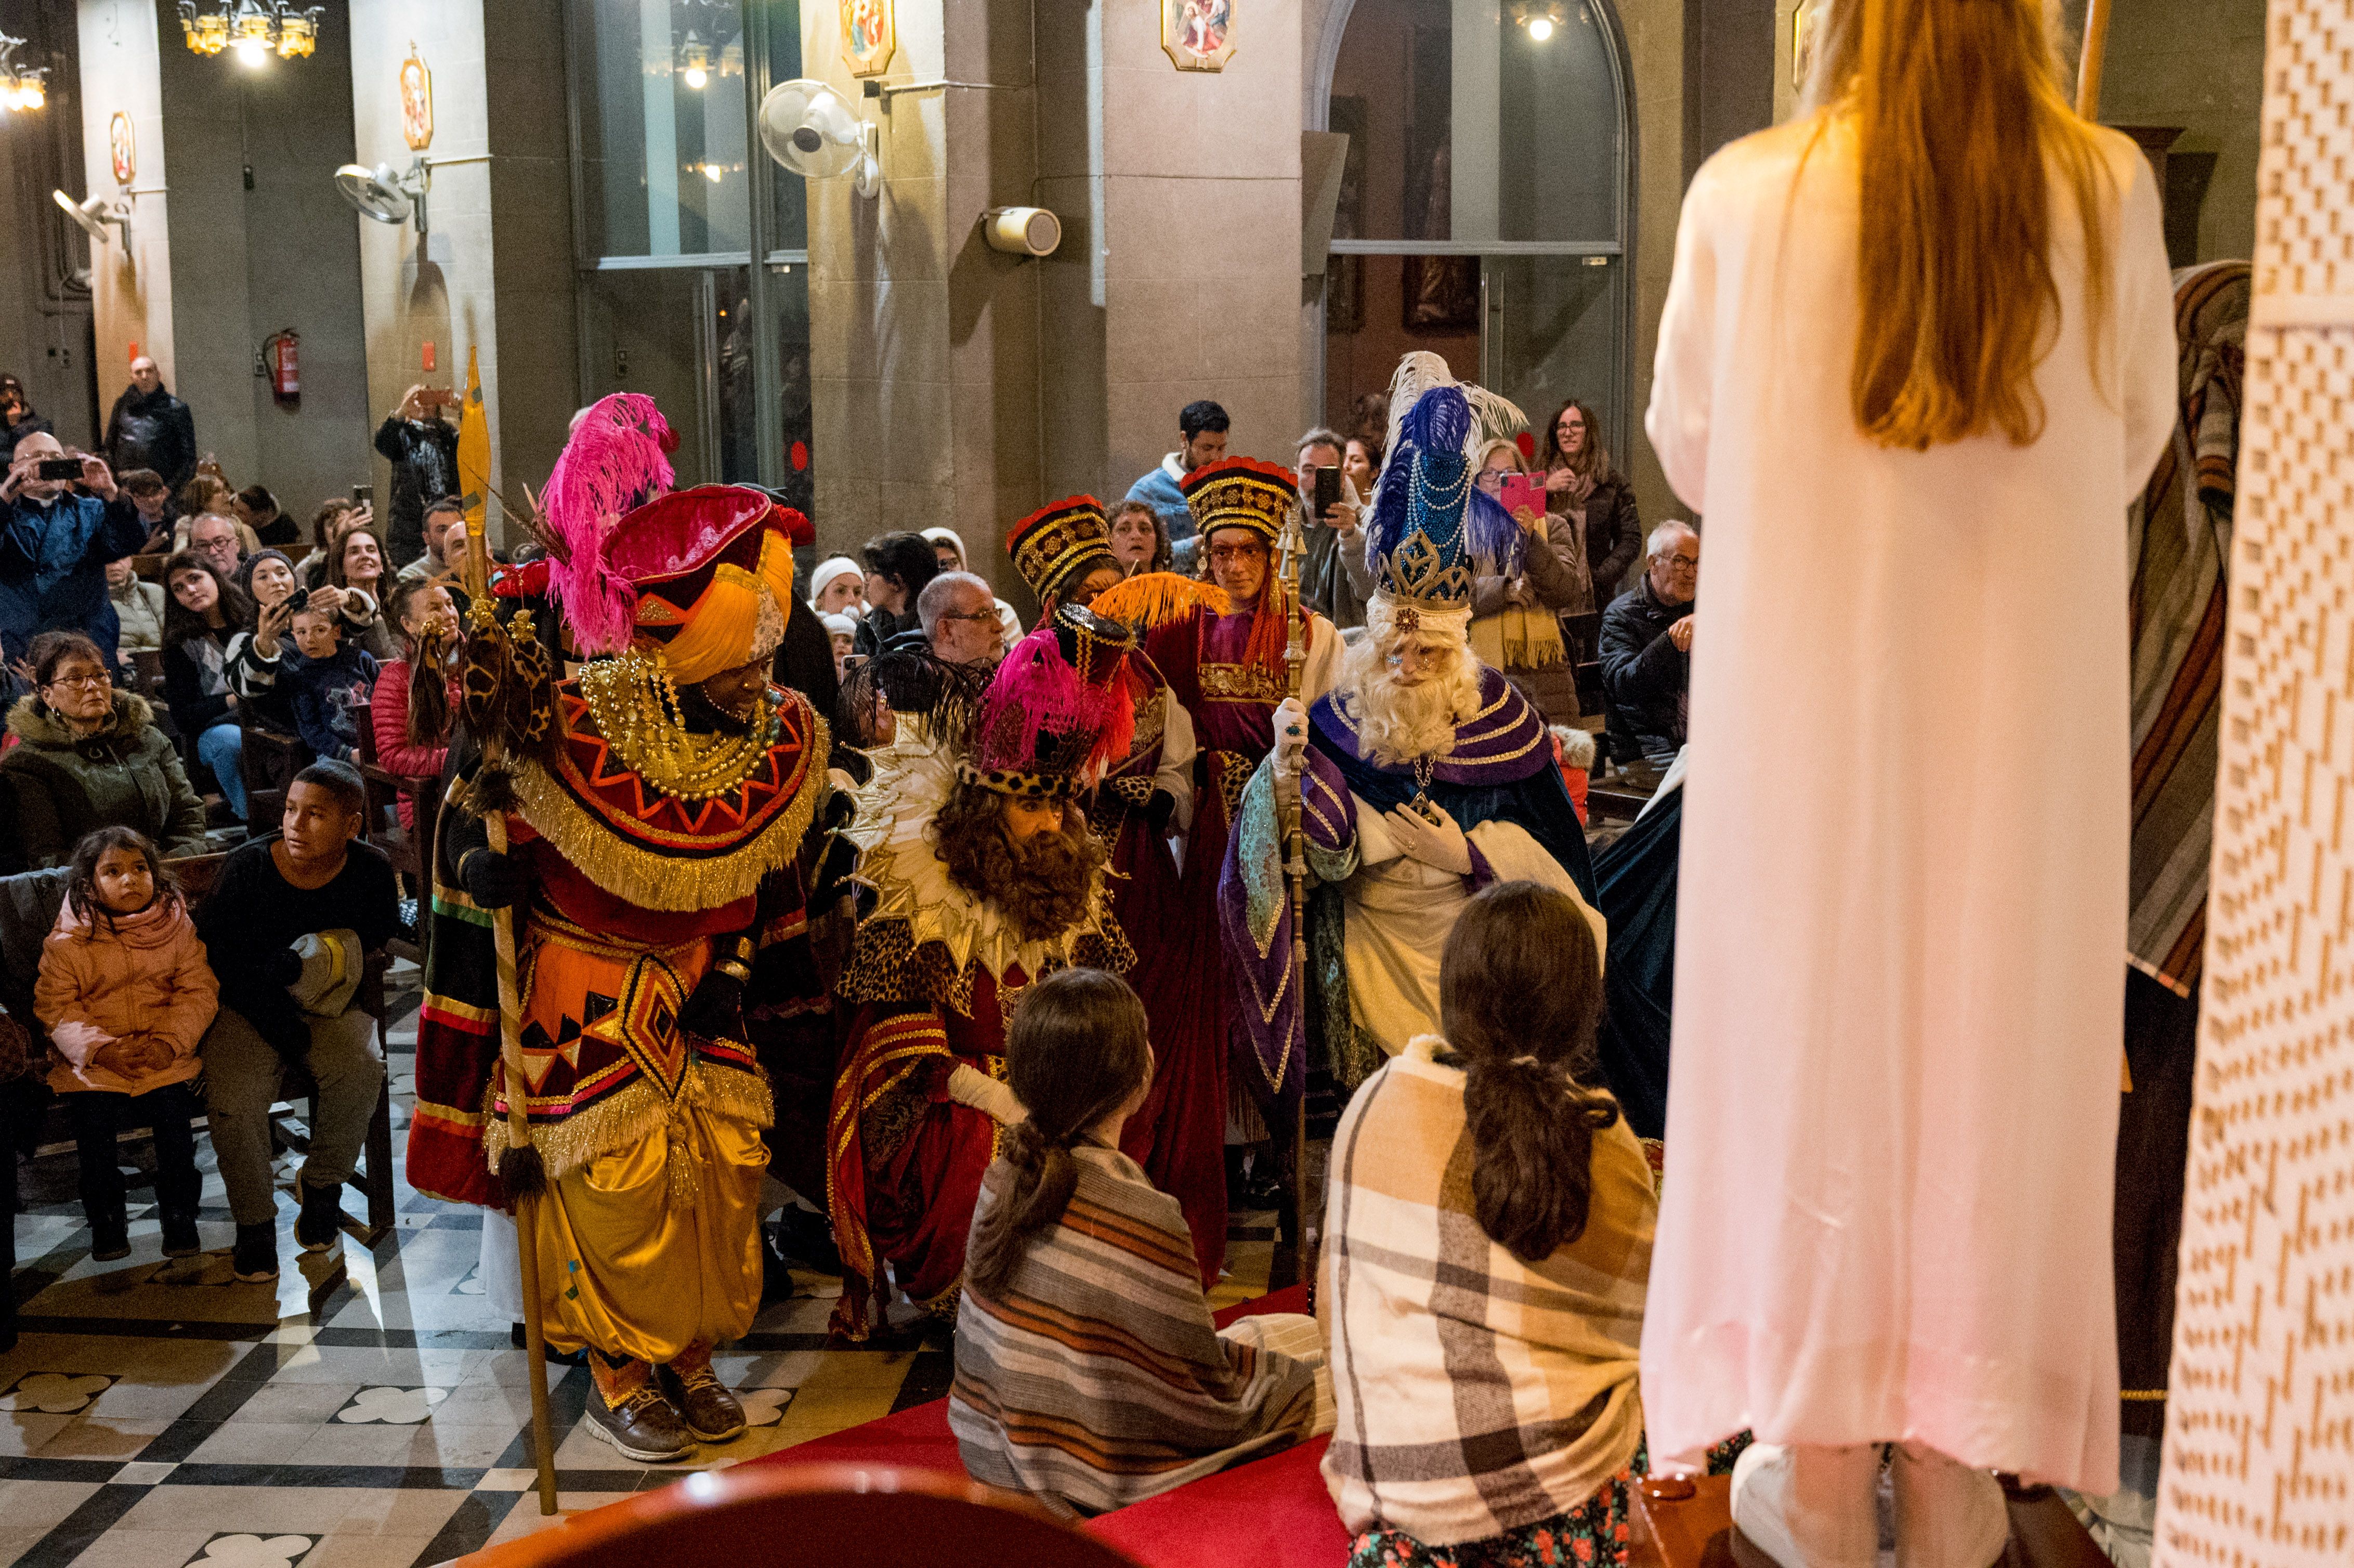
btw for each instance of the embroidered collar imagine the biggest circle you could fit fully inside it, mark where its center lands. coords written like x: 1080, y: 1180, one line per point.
x: 891, y: 829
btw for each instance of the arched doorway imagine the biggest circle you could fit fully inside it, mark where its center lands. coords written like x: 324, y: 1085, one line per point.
x: 1486, y: 206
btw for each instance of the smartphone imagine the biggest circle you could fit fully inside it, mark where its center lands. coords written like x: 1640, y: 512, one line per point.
x: 364, y: 495
x: 59, y: 467
x: 1523, y: 492
x: 1327, y: 490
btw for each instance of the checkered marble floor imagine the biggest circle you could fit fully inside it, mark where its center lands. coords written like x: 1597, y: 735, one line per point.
x: 367, y: 1411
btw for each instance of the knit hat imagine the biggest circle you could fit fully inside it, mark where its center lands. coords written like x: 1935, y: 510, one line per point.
x: 1241, y: 492
x: 832, y: 568
x: 838, y: 625
x: 1057, y: 714
x: 1060, y: 543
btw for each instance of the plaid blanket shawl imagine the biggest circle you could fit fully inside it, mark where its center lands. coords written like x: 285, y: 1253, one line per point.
x: 2179, y: 540
x: 1475, y: 1394
x: 1097, y: 1378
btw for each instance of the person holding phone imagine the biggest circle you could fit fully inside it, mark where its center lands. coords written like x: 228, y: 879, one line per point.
x: 62, y: 521
x: 1334, y: 580
x: 422, y: 446
x: 1516, y: 606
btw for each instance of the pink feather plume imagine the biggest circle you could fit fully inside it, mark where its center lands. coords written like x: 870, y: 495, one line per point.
x: 1037, y: 704
x: 615, y: 462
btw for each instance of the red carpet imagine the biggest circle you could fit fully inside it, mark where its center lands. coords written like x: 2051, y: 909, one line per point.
x: 1273, y: 1511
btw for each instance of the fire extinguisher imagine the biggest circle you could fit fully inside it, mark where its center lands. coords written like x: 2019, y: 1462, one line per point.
x: 285, y: 371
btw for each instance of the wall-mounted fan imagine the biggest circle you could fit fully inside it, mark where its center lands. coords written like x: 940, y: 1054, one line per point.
x: 385, y: 196
x: 811, y: 130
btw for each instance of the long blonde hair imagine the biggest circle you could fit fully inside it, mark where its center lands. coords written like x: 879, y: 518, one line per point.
x: 1957, y: 112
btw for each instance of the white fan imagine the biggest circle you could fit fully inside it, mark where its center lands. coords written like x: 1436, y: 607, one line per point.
x: 384, y: 196
x: 811, y: 130
x: 95, y: 215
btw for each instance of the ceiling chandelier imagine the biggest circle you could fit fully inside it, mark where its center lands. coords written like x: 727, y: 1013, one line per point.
x: 254, y: 29
x: 21, y: 87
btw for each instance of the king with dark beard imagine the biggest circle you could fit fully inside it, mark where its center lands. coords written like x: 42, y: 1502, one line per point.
x: 987, y: 877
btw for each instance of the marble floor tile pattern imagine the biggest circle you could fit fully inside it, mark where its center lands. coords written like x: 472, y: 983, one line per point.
x: 367, y: 1411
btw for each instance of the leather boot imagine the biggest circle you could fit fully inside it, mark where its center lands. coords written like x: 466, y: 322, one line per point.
x: 710, y: 1411
x: 1807, y: 1505
x: 642, y: 1426
x: 1947, y: 1515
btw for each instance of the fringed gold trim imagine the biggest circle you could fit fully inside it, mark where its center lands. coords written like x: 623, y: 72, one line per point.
x: 1150, y: 600
x: 632, y: 1114
x: 668, y: 882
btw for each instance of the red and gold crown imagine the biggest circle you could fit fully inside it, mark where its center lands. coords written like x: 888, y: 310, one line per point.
x: 1241, y: 492
x: 1060, y: 543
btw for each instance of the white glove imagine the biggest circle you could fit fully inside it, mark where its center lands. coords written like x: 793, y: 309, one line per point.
x: 1439, y: 843
x: 1290, y: 737
x: 969, y: 1086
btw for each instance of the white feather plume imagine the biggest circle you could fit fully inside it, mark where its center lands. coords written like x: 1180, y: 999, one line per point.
x: 1494, y: 417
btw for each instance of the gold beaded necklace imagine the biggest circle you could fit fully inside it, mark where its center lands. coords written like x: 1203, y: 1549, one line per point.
x: 637, y: 711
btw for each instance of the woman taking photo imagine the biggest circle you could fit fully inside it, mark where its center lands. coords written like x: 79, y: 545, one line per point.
x: 1484, y: 1332
x: 89, y: 757
x: 1916, y: 359
x: 1594, y: 503
x: 358, y: 569
x: 207, y: 634
x: 1516, y: 615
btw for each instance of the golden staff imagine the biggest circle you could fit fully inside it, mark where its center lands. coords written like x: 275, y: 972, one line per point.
x: 520, y: 1166
x: 1295, y: 876
x: 2097, y: 51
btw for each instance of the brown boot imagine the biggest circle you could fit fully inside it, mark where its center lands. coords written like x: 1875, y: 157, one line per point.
x: 709, y: 1411
x: 628, y: 1410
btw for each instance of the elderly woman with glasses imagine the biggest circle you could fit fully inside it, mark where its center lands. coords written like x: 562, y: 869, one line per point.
x: 89, y: 757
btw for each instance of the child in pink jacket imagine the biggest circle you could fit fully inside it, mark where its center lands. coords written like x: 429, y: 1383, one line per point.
x: 126, y: 994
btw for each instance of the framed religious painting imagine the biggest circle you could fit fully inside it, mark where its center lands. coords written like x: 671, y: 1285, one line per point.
x: 121, y: 149
x: 1198, y: 35
x: 416, y: 102
x: 870, y: 36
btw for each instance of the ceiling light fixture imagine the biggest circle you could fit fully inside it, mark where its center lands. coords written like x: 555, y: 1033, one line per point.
x: 255, y: 29
x: 1540, y: 21
x: 21, y: 87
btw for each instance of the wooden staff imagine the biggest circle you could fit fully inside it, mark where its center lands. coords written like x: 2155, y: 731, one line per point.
x: 524, y: 1170
x: 2096, y: 50
x: 1295, y: 876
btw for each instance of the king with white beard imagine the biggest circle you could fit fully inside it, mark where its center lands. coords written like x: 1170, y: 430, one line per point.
x: 1423, y: 776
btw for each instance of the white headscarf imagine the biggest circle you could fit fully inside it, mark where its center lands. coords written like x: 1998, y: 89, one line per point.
x: 950, y: 536
x: 829, y: 569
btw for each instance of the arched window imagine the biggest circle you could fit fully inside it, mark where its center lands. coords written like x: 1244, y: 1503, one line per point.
x: 1485, y: 209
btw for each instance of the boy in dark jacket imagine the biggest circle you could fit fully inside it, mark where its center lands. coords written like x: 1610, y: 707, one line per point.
x: 289, y: 927
x: 325, y: 683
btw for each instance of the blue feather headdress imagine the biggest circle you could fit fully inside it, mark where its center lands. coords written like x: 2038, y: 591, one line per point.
x: 1433, y: 531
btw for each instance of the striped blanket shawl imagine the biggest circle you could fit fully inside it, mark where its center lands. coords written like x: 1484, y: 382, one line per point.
x: 2180, y: 542
x: 1096, y: 1379
x: 1476, y: 1393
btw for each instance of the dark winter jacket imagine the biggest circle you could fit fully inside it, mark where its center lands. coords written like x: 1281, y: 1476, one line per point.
x: 151, y: 429
x: 1645, y: 675
x: 61, y: 786
x: 53, y: 568
x: 424, y: 457
x: 326, y: 695
x: 1614, y: 533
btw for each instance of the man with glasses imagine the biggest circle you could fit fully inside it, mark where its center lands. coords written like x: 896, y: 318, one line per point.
x: 215, y: 537
x: 959, y: 617
x: 1647, y: 638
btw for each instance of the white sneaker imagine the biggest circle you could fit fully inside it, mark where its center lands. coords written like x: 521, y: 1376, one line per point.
x: 1948, y: 1514
x: 1809, y: 1506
